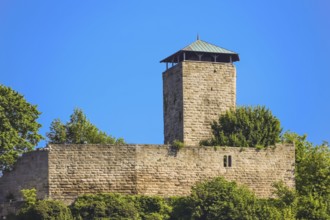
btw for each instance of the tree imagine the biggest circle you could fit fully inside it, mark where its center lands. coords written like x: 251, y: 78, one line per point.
x: 222, y: 199
x: 45, y: 210
x: 104, y: 206
x: 18, y: 127
x: 312, y: 176
x: 78, y: 130
x: 312, y: 165
x: 245, y: 127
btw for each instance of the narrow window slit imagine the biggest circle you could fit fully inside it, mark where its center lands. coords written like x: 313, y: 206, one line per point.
x: 227, y: 161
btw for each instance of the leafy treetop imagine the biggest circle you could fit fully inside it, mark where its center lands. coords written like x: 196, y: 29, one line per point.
x: 245, y: 127
x: 79, y: 130
x: 312, y: 165
x: 18, y: 127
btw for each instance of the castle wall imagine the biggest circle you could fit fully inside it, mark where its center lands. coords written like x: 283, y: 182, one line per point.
x: 73, y: 170
x: 172, y: 104
x: 79, y: 169
x: 30, y: 171
x: 209, y: 89
x: 162, y: 172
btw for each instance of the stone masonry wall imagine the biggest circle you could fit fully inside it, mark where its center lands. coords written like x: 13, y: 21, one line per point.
x: 145, y: 169
x: 162, y: 172
x: 79, y: 169
x: 31, y: 171
x: 172, y: 104
x: 209, y: 89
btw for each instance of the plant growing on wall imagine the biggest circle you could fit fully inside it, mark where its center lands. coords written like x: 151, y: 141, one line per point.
x: 245, y: 127
x: 18, y: 127
x: 29, y: 196
x: 177, y: 145
x: 79, y: 130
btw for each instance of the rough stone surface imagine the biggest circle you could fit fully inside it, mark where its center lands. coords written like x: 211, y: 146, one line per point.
x: 173, y: 104
x: 30, y: 171
x: 66, y: 171
x: 78, y: 169
x: 196, y: 93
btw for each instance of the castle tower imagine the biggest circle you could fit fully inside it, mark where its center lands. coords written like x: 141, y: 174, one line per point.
x: 199, y: 85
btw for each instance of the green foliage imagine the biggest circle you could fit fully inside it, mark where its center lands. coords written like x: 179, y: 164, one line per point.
x: 182, y: 208
x: 152, y: 207
x: 286, y: 200
x: 18, y: 127
x: 313, y: 207
x: 220, y: 199
x: 45, y: 210
x: 265, y: 209
x: 213, y: 199
x: 245, y: 127
x: 29, y: 196
x: 58, y: 132
x: 312, y: 165
x: 79, y: 130
x: 178, y: 145
x: 116, y: 206
x: 312, y: 177
x: 104, y: 206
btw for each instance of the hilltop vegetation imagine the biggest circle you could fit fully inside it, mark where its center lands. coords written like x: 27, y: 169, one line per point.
x: 79, y: 130
x: 18, y: 127
x: 245, y: 127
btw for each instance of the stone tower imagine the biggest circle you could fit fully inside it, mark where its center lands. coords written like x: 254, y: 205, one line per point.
x: 199, y: 84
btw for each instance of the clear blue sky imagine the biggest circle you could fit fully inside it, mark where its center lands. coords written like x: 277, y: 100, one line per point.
x: 103, y: 57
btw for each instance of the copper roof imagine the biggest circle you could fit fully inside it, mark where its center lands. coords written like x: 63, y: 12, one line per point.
x: 200, y: 46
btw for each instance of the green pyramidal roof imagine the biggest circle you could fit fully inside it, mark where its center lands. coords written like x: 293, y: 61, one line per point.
x: 205, y: 49
x: 202, y: 46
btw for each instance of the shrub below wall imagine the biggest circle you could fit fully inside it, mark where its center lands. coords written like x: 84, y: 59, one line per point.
x: 45, y: 210
x: 213, y: 199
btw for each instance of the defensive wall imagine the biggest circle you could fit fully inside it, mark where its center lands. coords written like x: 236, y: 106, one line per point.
x: 65, y: 171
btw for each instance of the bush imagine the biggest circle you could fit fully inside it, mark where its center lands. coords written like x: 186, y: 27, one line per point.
x: 45, y: 210
x: 312, y: 175
x: 177, y: 145
x: 220, y: 199
x: 182, y: 208
x: 152, y: 207
x: 313, y: 207
x: 266, y: 209
x: 245, y: 127
x: 286, y: 201
x: 104, y: 206
x: 29, y: 196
